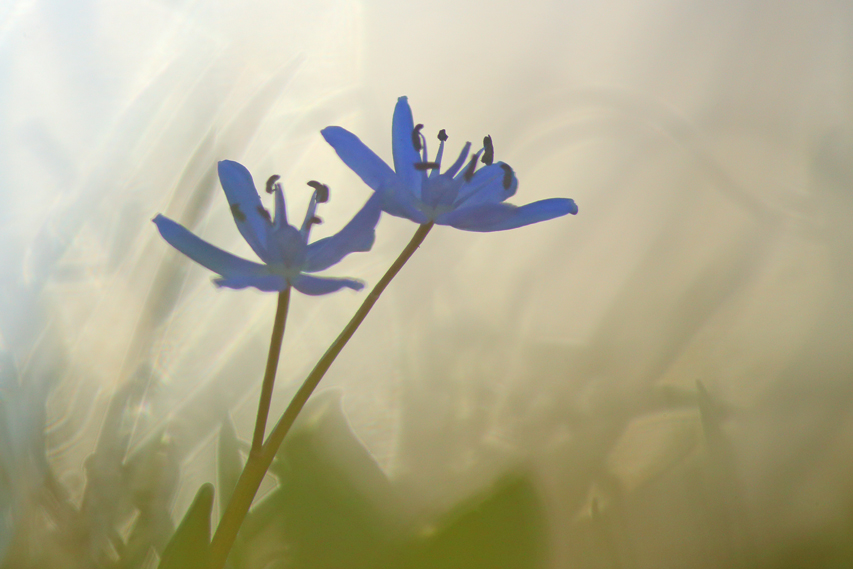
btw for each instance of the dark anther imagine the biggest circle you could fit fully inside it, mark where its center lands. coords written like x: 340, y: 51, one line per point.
x: 416, y: 137
x: 322, y: 191
x: 271, y: 183
x: 488, y: 152
x: 315, y: 221
x: 422, y: 166
x: 469, y: 171
x: 264, y: 213
x: 442, y: 135
x: 507, y: 176
x: 238, y: 215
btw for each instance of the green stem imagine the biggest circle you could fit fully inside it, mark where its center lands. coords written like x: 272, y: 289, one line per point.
x: 259, y: 461
x: 272, y: 366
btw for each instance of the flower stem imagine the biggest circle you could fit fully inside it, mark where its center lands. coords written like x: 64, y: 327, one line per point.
x: 259, y: 460
x: 272, y: 366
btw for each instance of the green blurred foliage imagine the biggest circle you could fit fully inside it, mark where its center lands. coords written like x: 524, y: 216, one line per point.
x: 189, y: 547
x: 334, y: 507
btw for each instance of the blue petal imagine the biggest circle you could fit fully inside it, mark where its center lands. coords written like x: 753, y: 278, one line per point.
x: 405, y: 155
x: 397, y: 198
x: 204, y: 253
x: 401, y: 202
x: 357, y: 235
x: 266, y: 283
x: 361, y: 160
x: 245, y: 205
x: 502, y: 216
x: 487, y: 186
x: 315, y: 286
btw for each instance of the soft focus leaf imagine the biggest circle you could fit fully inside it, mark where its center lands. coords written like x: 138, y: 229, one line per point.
x: 328, y: 508
x: 189, y: 547
x: 335, y: 508
x: 503, y: 527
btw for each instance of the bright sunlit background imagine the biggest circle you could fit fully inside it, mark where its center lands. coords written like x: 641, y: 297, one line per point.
x: 664, y: 380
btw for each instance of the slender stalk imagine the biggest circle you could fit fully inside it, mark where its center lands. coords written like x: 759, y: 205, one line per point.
x: 258, y: 462
x: 272, y: 366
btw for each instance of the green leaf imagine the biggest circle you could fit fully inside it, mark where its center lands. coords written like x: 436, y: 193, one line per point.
x: 189, y: 547
x: 503, y: 527
x: 331, y: 506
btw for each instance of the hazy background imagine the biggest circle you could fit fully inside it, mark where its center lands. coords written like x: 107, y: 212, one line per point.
x: 708, y: 145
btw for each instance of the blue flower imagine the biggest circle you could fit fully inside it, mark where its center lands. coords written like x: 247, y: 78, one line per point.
x: 283, y: 248
x: 462, y: 197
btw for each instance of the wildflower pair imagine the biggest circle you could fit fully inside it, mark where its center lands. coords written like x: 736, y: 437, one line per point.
x: 463, y: 196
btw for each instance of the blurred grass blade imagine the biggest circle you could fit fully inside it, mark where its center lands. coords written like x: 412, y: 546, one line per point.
x: 189, y: 547
x: 726, y: 503
x: 228, y: 462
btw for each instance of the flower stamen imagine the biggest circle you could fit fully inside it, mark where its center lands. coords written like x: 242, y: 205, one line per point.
x: 264, y: 213
x: 237, y: 212
x: 442, y: 135
x: 488, y: 152
x: 508, y: 175
x: 322, y: 191
x: 417, y: 138
x: 422, y: 166
x: 271, y: 183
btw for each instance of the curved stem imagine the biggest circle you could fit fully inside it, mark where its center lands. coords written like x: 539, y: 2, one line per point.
x: 259, y: 461
x: 272, y: 366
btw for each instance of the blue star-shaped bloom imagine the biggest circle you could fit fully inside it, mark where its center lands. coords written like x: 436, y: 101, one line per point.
x: 283, y: 248
x: 462, y: 197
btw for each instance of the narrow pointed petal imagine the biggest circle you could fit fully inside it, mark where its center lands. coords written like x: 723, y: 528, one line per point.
x: 405, y: 155
x: 502, y: 216
x: 203, y: 253
x: 361, y: 160
x: 245, y: 205
x: 315, y: 286
x: 265, y: 283
x: 356, y: 236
